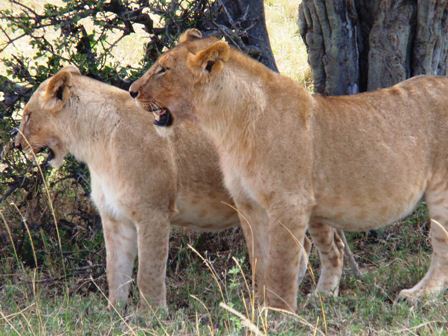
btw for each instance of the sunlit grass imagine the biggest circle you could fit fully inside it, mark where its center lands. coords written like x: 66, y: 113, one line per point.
x: 286, y: 42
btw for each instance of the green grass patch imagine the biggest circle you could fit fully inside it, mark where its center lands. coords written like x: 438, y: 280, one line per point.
x: 43, y: 302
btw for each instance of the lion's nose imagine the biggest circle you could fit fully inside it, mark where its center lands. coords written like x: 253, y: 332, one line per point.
x: 133, y: 94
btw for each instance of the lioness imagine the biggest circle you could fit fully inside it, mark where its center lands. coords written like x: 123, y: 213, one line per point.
x: 308, y: 161
x: 138, y: 178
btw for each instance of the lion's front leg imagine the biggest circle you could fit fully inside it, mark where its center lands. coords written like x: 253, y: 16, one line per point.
x: 287, y: 228
x: 153, y: 241
x: 121, y: 248
x: 254, y: 224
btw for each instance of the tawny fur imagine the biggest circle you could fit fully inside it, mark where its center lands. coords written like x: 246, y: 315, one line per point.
x: 138, y: 178
x: 295, y: 161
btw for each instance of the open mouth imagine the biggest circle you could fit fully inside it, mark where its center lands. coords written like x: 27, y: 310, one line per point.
x: 162, y: 116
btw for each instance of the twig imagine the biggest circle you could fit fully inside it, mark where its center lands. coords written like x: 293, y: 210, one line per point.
x: 350, y: 257
x: 26, y: 7
x: 229, y: 17
x: 13, y: 187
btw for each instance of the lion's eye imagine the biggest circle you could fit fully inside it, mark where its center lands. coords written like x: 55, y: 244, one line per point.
x: 162, y: 70
x: 27, y: 117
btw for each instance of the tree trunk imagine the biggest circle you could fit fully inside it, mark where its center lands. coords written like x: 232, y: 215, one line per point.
x: 242, y: 23
x: 362, y: 45
x: 330, y: 36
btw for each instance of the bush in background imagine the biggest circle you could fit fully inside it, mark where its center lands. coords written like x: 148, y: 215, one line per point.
x: 88, y: 34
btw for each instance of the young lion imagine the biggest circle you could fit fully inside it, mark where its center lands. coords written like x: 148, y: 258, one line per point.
x: 138, y: 178
x: 311, y: 162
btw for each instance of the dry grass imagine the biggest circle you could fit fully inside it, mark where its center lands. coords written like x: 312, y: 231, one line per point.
x: 286, y: 42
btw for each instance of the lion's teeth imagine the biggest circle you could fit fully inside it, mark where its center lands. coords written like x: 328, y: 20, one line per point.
x: 157, y: 111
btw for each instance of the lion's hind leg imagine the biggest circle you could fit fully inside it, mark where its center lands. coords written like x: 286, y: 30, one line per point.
x: 331, y: 253
x: 436, y: 279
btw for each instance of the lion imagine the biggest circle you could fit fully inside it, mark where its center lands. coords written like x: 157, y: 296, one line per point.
x: 310, y: 162
x: 141, y: 183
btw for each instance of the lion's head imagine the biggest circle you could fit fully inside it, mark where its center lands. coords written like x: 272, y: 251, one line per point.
x: 42, y: 117
x: 167, y: 88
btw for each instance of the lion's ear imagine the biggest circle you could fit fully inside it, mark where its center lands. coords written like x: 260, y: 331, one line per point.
x: 190, y: 35
x: 212, y: 59
x: 72, y: 69
x: 57, y: 91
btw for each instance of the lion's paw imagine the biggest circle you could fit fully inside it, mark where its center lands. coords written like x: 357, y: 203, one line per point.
x: 416, y: 296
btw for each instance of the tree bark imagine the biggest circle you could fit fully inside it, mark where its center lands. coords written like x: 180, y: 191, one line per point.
x: 430, y: 44
x: 243, y: 24
x: 390, y: 38
x: 330, y: 35
x: 362, y: 45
